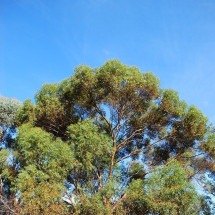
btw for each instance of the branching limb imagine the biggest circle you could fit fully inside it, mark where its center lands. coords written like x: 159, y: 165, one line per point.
x: 129, y: 155
x: 103, y: 117
x: 123, y: 143
x: 119, y: 201
x: 71, y: 201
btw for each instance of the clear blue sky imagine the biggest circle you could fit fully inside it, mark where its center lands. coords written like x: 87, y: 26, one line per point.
x: 42, y: 41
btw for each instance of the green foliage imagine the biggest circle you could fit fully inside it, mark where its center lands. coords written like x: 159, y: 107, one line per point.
x: 136, y: 171
x: 97, y: 204
x: 45, y: 162
x: 136, y: 202
x: 3, y: 158
x: 165, y: 191
x: 26, y: 113
x: 92, y: 149
x: 209, y: 145
x: 101, y: 202
x: 195, y: 123
x: 171, y: 104
x: 100, y: 131
x: 8, y: 108
x: 81, y: 85
x: 125, y: 88
x: 40, y: 192
x: 50, y: 114
x: 169, y: 191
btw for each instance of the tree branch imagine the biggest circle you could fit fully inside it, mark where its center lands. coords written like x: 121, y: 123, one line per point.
x: 103, y: 117
x: 71, y: 201
x: 194, y: 155
x: 123, y: 143
x: 129, y: 155
x: 119, y: 201
x: 6, y: 205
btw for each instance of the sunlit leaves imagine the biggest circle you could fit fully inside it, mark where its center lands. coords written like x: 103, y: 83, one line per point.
x: 171, y: 104
x: 91, y: 148
x: 39, y: 192
x: 209, y: 145
x: 45, y: 162
x: 26, y: 113
x: 3, y: 158
x: 50, y: 113
x: 165, y: 191
x: 195, y: 123
x: 38, y: 147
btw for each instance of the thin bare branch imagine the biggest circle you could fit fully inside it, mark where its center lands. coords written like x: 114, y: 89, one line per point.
x: 119, y: 201
x: 123, y: 143
x: 103, y: 117
x: 129, y: 155
x: 71, y: 201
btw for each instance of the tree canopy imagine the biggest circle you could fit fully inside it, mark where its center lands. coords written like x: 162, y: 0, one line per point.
x: 107, y: 140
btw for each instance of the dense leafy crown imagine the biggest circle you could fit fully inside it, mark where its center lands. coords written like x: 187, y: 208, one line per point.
x: 119, y: 144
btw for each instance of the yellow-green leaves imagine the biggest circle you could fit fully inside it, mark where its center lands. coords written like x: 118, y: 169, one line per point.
x: 209, y: 145
x: 119, y: 82
x: 195, y: 123
x: 171, y: 104
x: 3, y: 158
x: 26, y: 113
x: 92, y: 149
x: 151, y: 84
x: 36, y: 146
x: 50, y: 114
x: 45, y: 162
x: 39, y: 193
x: 165, y: 191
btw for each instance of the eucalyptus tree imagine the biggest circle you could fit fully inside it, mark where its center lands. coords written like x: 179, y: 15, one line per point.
x: 129, y: 147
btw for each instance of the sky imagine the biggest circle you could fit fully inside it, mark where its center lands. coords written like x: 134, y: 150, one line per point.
x: 42, y: 41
